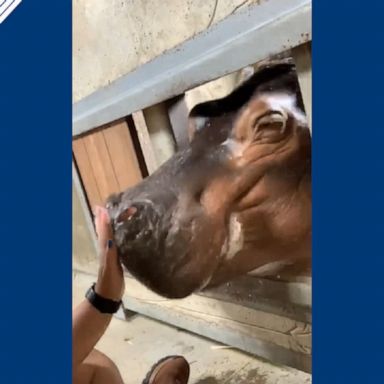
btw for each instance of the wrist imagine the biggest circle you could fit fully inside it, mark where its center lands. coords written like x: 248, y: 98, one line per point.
x: 107, y: 292
x: 102, y: 303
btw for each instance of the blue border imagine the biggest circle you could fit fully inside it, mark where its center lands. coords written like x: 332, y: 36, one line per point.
x: 348, y: 192
x: 35, y: 192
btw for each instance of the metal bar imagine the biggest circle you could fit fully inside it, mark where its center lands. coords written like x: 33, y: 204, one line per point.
x: 241, y: 39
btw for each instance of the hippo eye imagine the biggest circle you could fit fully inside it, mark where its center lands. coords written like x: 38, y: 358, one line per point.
x: 273, y: 120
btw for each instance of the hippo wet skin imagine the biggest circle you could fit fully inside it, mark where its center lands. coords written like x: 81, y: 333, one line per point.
x: 237, y: 199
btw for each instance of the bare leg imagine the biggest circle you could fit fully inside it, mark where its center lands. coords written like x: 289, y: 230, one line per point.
x: 97, y: 368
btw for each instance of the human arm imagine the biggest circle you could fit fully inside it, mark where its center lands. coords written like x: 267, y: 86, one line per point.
x: 88, y: 324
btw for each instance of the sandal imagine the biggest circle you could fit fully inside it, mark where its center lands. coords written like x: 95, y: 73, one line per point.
x: 168, y: 370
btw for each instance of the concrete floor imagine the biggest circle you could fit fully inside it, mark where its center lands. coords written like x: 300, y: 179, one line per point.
x: 137, y: 343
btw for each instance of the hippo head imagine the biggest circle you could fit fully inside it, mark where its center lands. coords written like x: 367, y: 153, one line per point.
x: 236, y: 199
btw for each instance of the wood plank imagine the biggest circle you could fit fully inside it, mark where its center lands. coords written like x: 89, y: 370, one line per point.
x: 122, y: 154
x: 86, y: 172
x: 145, y: 141
x: 101, y: 164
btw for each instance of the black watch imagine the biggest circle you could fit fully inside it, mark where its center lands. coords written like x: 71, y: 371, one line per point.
x: 102, y: 304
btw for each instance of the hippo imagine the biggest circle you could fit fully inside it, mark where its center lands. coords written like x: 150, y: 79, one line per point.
x: 235, y: 200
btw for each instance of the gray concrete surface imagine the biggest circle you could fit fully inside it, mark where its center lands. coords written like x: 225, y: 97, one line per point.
x: 135, y: 345
x: 113, y: 37
x: 83, y: 252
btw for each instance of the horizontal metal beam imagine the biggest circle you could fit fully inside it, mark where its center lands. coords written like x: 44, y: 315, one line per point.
x: 241, y: 39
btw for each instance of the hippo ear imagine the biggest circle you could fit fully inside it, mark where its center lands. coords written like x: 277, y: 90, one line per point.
x: 202, y: 114
x: 245, y: 74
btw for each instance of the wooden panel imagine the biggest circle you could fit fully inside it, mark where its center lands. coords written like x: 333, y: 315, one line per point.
x: 86, y: 172
x: 122, y: 155
x: 101, y: 164
x: 145, y: 141
x: 107, y: 162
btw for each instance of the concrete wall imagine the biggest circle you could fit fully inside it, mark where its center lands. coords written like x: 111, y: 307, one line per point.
x: 113, y: 37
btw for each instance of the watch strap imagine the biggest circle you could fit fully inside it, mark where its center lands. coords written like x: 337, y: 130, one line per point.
x: 102, y: 304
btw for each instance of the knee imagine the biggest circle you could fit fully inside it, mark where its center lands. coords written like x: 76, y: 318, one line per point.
x: 99, y: 359
x: 97, y: 368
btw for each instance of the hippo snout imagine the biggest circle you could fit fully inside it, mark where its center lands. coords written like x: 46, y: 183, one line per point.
x: 154, y: 246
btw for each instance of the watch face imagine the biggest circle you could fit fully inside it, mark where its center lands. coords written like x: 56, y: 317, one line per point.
x: 90, y: 293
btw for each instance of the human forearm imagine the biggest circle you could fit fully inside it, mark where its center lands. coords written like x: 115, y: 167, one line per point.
x: 88, y: 325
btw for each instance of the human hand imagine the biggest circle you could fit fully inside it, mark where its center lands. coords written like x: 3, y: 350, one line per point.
x: 110, y: 282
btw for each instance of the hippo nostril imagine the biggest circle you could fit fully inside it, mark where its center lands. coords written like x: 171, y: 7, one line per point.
x: 127, y: 214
